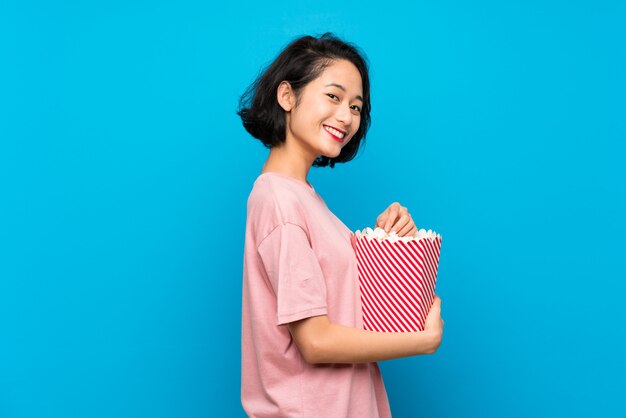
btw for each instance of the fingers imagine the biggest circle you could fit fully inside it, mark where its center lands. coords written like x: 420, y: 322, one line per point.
x: 402, y: 221
x: 437, y: 306
x: 394, y: 209
x: 405, y: 224
x: 436, y: 303
x: 396, y: 218
x: 409, y: 225
x: 382, y: 218
x: 380, y: 221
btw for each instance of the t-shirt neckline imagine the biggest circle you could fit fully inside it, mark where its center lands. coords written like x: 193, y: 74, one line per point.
x: 307, y: 185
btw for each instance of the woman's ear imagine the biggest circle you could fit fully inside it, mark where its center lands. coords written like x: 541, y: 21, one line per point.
x: 285, y: 96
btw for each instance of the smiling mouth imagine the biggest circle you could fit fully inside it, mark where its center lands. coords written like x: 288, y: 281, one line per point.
x: 335, y: 133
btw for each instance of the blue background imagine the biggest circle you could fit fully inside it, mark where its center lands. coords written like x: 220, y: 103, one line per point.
x: 124, y: 175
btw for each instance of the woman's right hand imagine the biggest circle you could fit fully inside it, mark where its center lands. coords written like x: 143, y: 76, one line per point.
x: 434, y: 323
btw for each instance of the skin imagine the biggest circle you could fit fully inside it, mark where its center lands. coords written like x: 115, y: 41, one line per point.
x: 319, y: 340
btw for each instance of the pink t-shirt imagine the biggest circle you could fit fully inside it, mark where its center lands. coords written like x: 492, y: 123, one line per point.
x: 298, y: 263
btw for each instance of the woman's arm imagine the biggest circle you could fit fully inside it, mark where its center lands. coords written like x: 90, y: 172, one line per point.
x: 320, y: 341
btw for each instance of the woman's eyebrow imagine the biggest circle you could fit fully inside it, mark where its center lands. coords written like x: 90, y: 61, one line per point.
x: 344, y: 89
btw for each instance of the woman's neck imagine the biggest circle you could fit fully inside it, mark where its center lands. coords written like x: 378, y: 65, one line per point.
x: 288, y: 160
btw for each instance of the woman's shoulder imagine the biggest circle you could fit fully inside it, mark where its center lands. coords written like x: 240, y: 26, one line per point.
x: 277, y: 200
x: 274, y: 189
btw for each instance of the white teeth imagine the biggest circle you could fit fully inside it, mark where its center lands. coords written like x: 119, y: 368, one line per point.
x: 334, y: 132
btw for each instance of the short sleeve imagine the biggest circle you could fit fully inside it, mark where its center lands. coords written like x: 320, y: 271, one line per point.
x: 294, y: 272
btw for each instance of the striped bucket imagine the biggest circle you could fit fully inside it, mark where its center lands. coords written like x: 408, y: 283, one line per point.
x: 397, y: 281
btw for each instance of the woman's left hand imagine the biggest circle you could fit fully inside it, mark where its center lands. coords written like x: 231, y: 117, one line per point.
x: 397, y: 218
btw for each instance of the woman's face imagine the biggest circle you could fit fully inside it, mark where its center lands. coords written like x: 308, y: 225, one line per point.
x: 329, y: 112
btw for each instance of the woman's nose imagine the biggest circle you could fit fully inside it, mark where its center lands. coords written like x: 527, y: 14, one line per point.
x: 344, y: 115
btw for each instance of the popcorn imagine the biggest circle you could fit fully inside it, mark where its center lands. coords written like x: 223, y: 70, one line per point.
x: 379, y: 233
x: 397, y: 277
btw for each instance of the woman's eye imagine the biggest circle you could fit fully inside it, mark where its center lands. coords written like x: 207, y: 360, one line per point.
x: 355, y: 107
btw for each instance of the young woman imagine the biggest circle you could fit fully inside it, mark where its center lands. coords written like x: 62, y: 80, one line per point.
x: 304, y: 350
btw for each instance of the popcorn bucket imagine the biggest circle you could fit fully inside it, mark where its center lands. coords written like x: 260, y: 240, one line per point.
x: 397, y: 277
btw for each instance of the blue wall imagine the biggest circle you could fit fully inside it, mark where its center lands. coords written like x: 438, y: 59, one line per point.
x: 124, y: 174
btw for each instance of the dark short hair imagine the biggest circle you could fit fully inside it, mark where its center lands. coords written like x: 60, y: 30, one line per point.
x: 301, y: 62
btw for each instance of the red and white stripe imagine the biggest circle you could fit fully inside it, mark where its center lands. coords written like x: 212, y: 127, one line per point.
x: 397, y: 281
